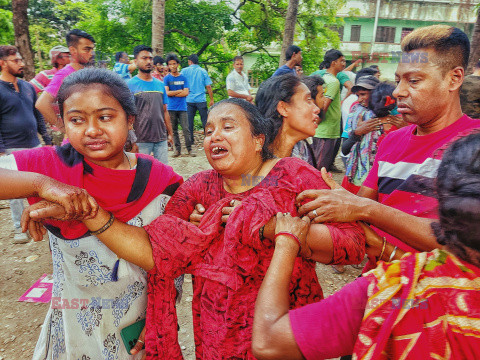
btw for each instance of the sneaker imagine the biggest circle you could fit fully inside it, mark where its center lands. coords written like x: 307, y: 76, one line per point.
x: 177, y: 153
x: 191, y: 153
x: 19, y: 237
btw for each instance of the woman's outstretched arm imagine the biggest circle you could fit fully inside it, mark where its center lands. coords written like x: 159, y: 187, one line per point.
x: 350, y: 243
x: 21, y: 184
x: 321, y: 330
x: 272, y: 333
x: 128, y: 242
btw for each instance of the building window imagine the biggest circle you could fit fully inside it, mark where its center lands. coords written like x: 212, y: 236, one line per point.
x: 355, y: 32
x: 385, y: 34
x: 405, y: 32
x: 339, y: 30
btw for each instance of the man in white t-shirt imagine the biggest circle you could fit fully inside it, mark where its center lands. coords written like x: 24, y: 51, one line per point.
x: 237, y: 81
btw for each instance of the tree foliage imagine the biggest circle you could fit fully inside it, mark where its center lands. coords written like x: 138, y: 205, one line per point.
x: 215, y: 30
x: 6, y: 25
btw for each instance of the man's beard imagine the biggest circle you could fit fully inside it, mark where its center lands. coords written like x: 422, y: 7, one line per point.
x: 145, y: 71
x: 19, y: 74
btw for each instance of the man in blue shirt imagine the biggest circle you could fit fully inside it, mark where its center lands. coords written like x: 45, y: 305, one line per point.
x: 198, y: 81
x: 20, y: 121
x: 122, y: 66
x: 293, y: 55
x: 176, y: 86
x: 152, y: 124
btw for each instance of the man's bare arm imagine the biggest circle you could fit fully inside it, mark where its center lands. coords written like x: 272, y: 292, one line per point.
x: 168, y: 122
x: 210, y: 94
x: 172, y: 93
x: 326, y: 103
x: 132, y: 67
x: 339, y: 205
x: 240, y: 96
x: 44, y: 104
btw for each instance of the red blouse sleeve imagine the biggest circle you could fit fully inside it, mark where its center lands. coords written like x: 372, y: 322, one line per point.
x: 348, y: 238
x: 183, y: 201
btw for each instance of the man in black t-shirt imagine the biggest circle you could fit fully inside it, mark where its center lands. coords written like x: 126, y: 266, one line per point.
x: 20, y: 122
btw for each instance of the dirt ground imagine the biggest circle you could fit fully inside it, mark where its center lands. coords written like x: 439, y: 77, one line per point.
x: 21, y: 321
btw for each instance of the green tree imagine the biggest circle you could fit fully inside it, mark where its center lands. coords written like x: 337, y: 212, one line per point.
x: 261, y: 25
x: 6, y: 25
x: 50, y: 20
x: 216, y: 31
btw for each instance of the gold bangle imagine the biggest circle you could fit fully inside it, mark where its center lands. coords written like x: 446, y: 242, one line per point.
x: 383, y: 249
x: 104, y: 227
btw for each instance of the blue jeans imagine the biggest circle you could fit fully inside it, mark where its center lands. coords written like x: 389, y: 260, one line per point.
x: 192, y: 110
x: 158, y: 149
x: 16, y: 205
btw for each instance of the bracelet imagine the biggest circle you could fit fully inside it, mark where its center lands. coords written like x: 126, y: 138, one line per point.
x: 104, y: 227
x: 383, y: 249
x: 392, y: 255
x: 293, y: 236
x: 260, y: 232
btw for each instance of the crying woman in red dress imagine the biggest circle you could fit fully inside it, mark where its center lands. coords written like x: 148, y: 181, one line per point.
x: 228, y: 260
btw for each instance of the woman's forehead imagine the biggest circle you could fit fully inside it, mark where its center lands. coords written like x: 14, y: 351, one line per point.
x: 301, y: 90
x: 227, y: 110
x: 91, y: 96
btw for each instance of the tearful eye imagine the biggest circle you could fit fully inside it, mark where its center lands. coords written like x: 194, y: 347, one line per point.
x: 76, y: 120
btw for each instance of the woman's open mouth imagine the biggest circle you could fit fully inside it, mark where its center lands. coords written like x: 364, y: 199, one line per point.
x: 218, y: 152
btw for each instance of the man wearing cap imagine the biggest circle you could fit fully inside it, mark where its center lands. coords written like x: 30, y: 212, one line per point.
x: 81, y: 46
x: 59, y: 57
x: 352, y: 133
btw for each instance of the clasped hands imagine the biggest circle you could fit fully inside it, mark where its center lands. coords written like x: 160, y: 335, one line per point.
x: 61, y: 202
x: 66, y: 202
x: 327, y: 205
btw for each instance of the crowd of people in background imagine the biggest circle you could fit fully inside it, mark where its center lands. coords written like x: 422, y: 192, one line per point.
x: 251, y: 229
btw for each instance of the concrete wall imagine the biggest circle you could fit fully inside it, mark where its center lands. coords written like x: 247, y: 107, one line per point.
x: 455, y: 11
x: 399, y: 14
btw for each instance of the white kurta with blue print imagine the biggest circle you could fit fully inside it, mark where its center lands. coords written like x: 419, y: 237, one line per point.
x: 88, y: 309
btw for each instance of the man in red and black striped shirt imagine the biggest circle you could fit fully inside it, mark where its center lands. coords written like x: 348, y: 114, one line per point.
x: 398, y: 195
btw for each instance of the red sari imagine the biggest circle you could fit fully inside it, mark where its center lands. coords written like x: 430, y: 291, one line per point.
x: 229, y: 263
x: 425, y: 306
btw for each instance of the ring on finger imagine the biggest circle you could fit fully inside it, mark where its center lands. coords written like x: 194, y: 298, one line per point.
x: 315, y: 212
x: 232, y: 202
x: 285, y: 214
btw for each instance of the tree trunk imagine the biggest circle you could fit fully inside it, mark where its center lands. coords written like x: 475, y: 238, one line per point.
x: 475, y: 46
x: 289, y: 32
x: 158, y: 26
x: 22, y: 36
